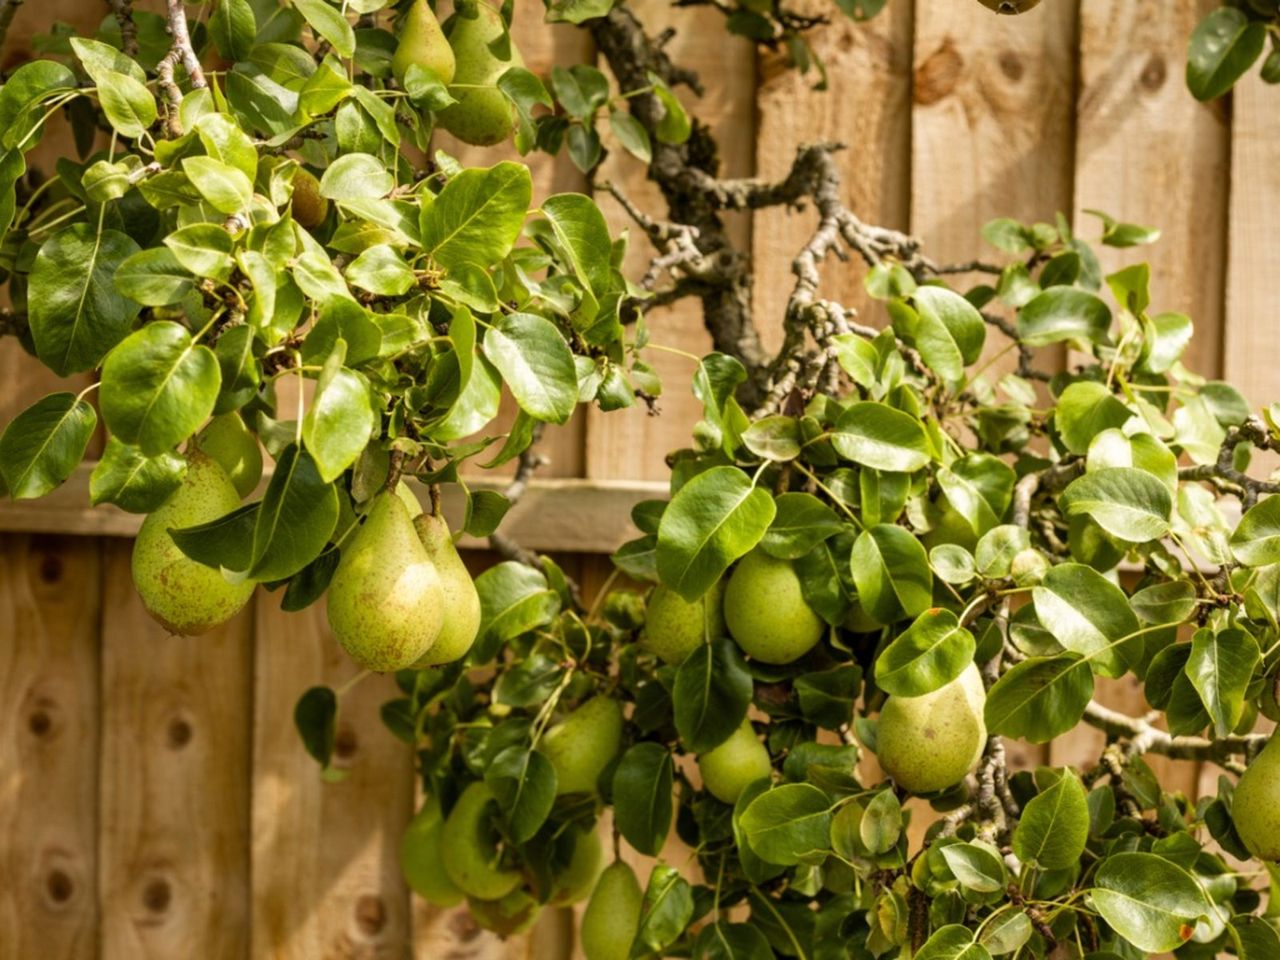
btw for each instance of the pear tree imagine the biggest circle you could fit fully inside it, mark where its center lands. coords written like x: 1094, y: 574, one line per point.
x: 890, y: 547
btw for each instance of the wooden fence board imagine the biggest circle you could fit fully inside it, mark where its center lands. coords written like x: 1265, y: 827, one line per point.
x: 867, y: 107
x: 633, y: 443
x: 174, y: 819
x: 1147, y: 152
x: 326, y: 874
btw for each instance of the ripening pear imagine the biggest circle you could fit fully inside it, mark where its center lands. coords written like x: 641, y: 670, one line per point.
x: 483, y: 115
x: 731, y: 767
x: 507, y: 916
x: 308, y: 207
x: 765, y: 609
x: 612, y: 917
x: 674, y: 627
x: 386, y: 606
x: 420, y: 860
x: 934, y: 741
x: 233, y: 445
x: 576, y: 881
x: 469, y: 846
x: 187, y: 597
x: 422, y: 42
x: 461, y: 601
x: 582, y: 744
x: 1256, y: 805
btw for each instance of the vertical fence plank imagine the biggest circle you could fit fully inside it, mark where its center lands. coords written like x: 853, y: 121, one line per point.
x: 632, y: 443
x: 49, y: 605
x: 867, y: 107
x: 326, y: 875
x: 174, y: 782
x: 1147, y: 152
x: 991, y: 135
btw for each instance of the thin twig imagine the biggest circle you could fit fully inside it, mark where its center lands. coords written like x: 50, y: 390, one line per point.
x: 180, y: 52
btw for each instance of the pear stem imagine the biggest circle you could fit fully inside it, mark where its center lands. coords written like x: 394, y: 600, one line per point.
x: 434, y: 491
x: 350, y: 684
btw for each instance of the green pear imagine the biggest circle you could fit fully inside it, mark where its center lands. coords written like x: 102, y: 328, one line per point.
x: 308, y: 207
x: 582, y: 744
x: 674, y: 627
x: 461, y: 601
x: 731, y: 767
x: 187, y: 597
x: 420, y: 860
x: 507, y: 916
x: 766, y: 611
x: 483, y: 115
x: 1255, y: 807
x: 469, y: 847
x: 386, y: 606
x: 422, y: 42
x: 577, y: 880
x: 233, y: 445
x: 933, y: 742
x: 612, y: 916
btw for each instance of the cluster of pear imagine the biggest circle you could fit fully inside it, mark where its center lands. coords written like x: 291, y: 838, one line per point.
x: 465, y: 61
x: 400, y: 598
x: 926, y: 744
x: 460, y: 856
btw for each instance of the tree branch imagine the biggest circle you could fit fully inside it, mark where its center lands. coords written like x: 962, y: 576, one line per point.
x: 1142, y: 737
x: 180, y: 52
x: 123, y: 10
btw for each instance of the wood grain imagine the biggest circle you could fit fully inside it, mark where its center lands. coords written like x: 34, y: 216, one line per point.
x: 1141, y: 141
x: 867, y: 107
x: 326, y: 873
x: 174, y: 828
x: 632, y: 442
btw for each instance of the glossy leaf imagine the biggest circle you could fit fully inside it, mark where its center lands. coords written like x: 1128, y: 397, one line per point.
x: 930, y: 653
x: 42, y: 445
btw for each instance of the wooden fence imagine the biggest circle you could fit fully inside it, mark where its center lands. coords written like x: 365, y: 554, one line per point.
x: 154, y: 799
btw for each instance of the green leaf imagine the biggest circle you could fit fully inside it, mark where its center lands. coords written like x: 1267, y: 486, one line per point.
x: 154, y: 278
x: 731, y: 941
x: 1128, y: 503
x: 536, y: 364
x: 22, y: 97
x: 299, y: 512
x: 979, y: 487
x: 632, y: 134
x: 133, y: 481
x: 1172, y: 602
x: 1087, y: 613
x: 356, y: 176
x: 524, y: 783
x: 952, y: 942
x: 1063, y: 313
x: 788, y: 823
x: 666, y: 911
x: 129, y: 106
x: 202, y: 248
x: 514, y: 599
x: 44, y: 443
x: 977, y: 866
x: 225, y: 188
x: 800, y: 523
x: 477, y: 216
x: 340, y: 419
x: 225, y: 542
x: 1224, y: 45
x: 774, y: 438
x: 578, y: 11
x: 1085, y: 409
x: 927, y: 655
x: 712, y: 692
x: 329, y: 24
x: 642, y: 806
x: 826, y: 697
x: 316, y: 717
x: 950, y: 333
x: 881, y: 823
x: 1054, y: 826
x: 158, y: 386
x: 1220, y: 668
x: 716, y: 518
x: 76, y: 315
x: 1148, y: 900
x: 1256, y: 540
x: 1040, y: 698
x: 891, y: 572
x: 674, y: 126
x: 876, y: 435
x: 233, y: 28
